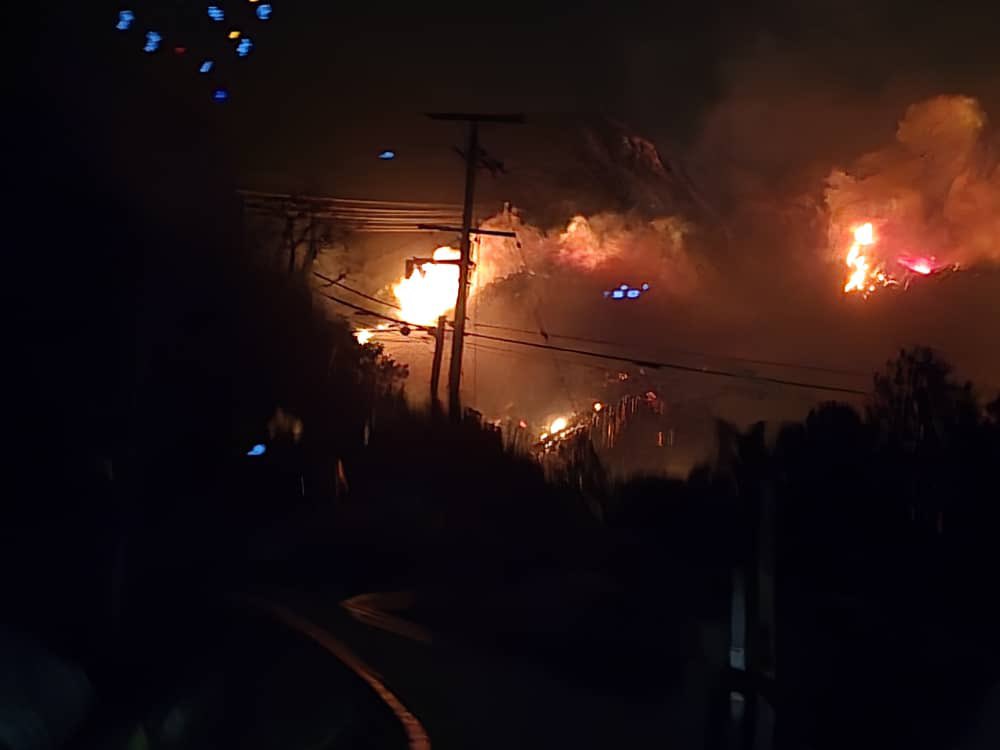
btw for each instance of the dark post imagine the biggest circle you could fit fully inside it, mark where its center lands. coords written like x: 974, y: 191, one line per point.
x: 458, y: 338
x: 436, y: 365
x: 472, y: 160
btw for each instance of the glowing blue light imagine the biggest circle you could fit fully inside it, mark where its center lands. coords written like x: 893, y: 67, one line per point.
x: 258, y: 450
x: 623, y: 287
x: 387, y: 155
x: 632, y: 293
x: 206, y: 66
x: 645, y: 287
x: 152, y: 41
x: 216, y: 13
x: 264, y: 12
x: 220, y: 95
x: 617, y: 294
x: 125, y: 19
x: 244, y: 47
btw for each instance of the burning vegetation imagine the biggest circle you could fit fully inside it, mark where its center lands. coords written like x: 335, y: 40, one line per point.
x: 927, y: 203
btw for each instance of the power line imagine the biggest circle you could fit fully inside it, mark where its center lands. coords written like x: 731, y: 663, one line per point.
x: 365, y: 310
x: 768, y: 362
x: 358, y: 292
x: 547, y: 335
x: 514, y: 352
x: 651, y: 364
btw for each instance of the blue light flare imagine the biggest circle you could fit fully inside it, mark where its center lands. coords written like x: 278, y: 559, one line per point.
x: 624, y: 291
x: 387, y: 155
x: 125, y: 19
x: 206, y: 66
x: 152, y: 41
x: 244, y: 47
x: 258, y: 450
x: 264, y: 12
x: 216, y: 13
x: 220, y: 95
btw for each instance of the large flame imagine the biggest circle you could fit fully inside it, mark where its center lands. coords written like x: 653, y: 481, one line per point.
x: 932, y: 196
x: 431, y: 290
x: 866, y: 274
x: 558, y: 425
x: 868, y: 264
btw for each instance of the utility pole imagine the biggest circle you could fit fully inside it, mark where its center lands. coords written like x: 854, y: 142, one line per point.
x: 473, y: 158
x: 436, y: 365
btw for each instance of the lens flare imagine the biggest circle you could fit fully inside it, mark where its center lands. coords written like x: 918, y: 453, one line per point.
x: 558, y: 425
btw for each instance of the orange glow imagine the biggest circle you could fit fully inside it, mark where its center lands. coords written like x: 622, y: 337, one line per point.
x: 558, y: 425
x: 431, y: 290
x: 598, y: 406
x: 364, y: 335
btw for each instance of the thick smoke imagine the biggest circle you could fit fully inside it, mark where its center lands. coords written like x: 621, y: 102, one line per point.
x: 605, y: 246
x: 934, y: 191
x: 735, y: 259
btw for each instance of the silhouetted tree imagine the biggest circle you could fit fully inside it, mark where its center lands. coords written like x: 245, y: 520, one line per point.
x: 916, y: 400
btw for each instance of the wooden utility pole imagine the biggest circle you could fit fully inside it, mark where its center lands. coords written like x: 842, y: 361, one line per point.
x: 436, y: 365
x: 473, y: 158
x: 458, y: 338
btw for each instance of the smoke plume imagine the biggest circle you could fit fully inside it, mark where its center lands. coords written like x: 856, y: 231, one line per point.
x: 933, y: 191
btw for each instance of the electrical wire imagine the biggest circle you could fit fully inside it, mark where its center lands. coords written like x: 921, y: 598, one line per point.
x: 651, y: 364
x: 365, y: 310
x: 342, y: 285
x: 768, y: 362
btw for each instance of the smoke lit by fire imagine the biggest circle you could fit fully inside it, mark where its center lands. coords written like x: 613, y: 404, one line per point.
x: 927, y: 203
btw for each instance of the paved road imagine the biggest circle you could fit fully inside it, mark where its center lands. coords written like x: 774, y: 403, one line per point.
x: 466, y: 696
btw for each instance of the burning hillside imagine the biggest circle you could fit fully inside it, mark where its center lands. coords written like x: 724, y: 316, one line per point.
x: 927, y: 203
x: 606, y: 245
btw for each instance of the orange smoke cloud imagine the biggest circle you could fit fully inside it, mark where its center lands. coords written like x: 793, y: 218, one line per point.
x: 933, y: 196
x: 585, y: 244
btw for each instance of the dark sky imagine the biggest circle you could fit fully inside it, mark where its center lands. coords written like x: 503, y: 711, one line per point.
x: 323, y: 76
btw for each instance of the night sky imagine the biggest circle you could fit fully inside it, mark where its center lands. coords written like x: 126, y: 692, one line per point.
x: 321, y: 72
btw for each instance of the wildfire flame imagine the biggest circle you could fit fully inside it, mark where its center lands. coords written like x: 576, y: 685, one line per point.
x: 364, y: 335
x: 431, y: 290
x: 558, y: 425
x: 866, y: 274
